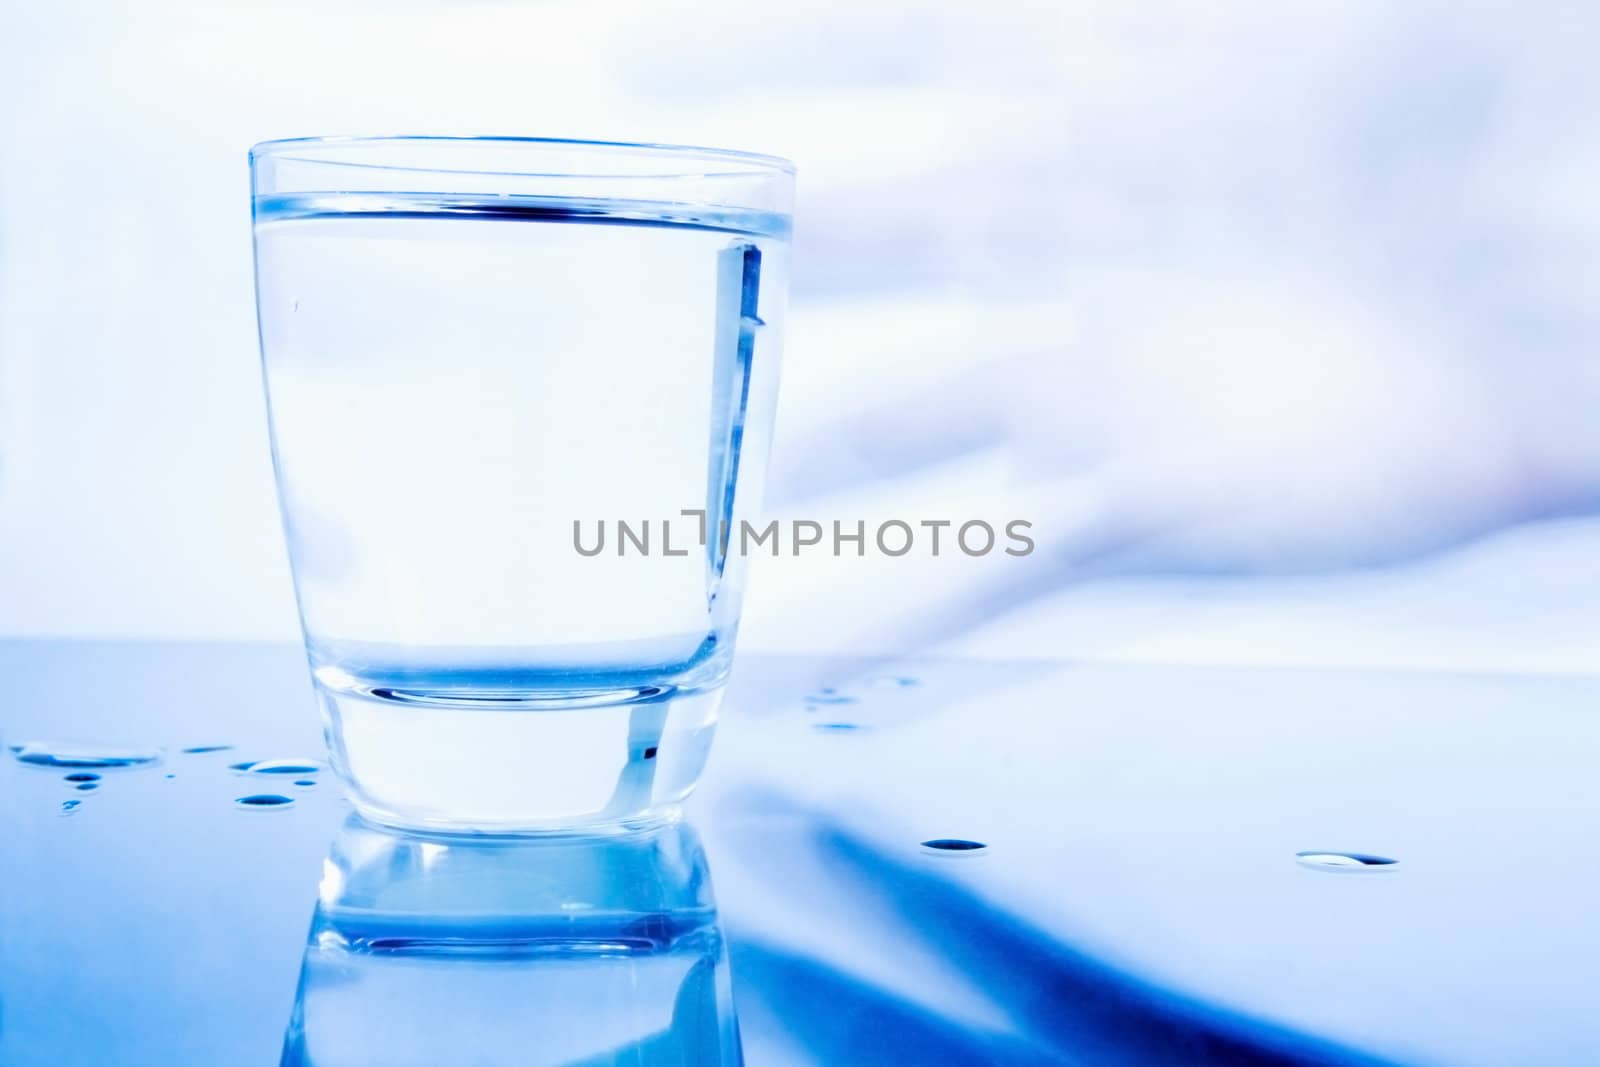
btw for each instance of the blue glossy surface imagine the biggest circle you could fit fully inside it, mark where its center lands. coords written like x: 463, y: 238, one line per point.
x: 420, y: 945
x: 1140, y: 898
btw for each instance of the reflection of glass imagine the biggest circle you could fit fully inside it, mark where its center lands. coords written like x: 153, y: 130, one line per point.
x: 588, y: 951
x: 482, y: 355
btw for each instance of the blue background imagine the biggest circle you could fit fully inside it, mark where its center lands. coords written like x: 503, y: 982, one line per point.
x: 1231, y: 292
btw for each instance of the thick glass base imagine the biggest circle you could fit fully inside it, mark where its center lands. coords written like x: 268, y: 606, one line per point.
x: 529, y: 763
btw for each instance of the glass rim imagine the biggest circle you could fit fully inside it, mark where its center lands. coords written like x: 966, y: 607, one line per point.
x: 288, y: 149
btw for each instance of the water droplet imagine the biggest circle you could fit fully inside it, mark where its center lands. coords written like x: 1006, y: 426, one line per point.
x: 264, y: 800
x: 197, y: 750
x: 285, y: 766
x: 953, y: 844
x: 305, y: 781
x: 172, y: 776
x: 1344, y: 861
x: 72, y: 754
x: 88, y: 787
x: 83, y: 776
x: 830, y: 697
x: 889, y: 681
x: 69, y: 806
x: 836, y: 727
x: 242, y: 767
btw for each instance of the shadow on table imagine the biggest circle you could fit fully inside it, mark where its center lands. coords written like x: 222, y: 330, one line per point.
x: 583, y: 952
x: 1058, y: 1004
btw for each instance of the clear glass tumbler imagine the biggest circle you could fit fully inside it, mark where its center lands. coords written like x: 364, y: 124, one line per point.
x: 520, y: 394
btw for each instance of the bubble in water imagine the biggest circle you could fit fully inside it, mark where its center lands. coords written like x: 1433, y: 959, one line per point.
x: 88, y: 787
x: 69, y: 806
x: 83, y: 776
x: 836, y: 727
x: 953, y: 844
x: 1344, y: 861
x: 74, y: 754
x: 196, y: 750
x: 264, y: 800
x: 172, y: 776
x: 285, y: 766
x: 305, y: 781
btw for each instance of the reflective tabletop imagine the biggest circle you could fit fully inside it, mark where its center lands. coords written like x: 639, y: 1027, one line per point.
x: 916, y: 861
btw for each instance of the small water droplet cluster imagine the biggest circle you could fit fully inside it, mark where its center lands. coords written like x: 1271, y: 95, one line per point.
x: 72, y: 755
x: 275, y: 768
x: 834, y: 698
x: 56, y: 755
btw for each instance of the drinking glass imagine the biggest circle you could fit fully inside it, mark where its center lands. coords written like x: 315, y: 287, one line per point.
x: 520, y: 393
